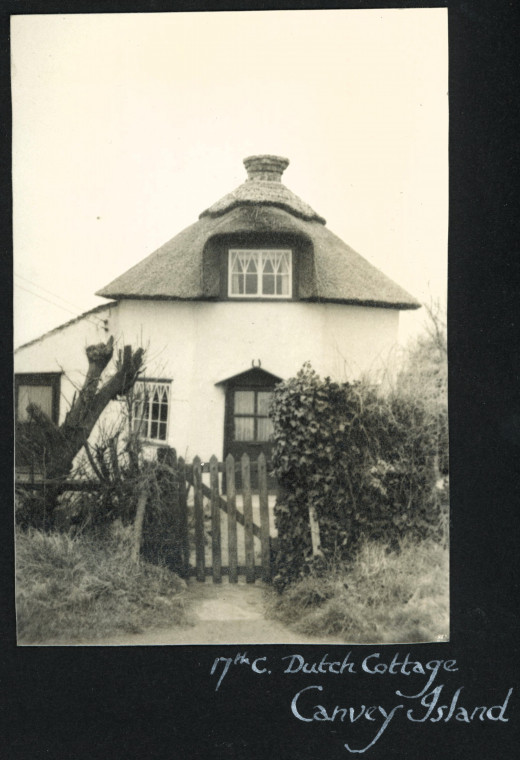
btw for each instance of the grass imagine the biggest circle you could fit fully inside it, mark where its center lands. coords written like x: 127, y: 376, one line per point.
x: 382, y: 597
x: 82, y: 588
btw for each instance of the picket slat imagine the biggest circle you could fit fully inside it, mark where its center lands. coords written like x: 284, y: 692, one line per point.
x: 183, y: 510
x: 264, y: 518
x: 215, y: 521
x: 191, y: 475
x: 248, y: 519
x: 223, y: 503
x: 199, y: 521
x: 232, y: 519
x: 225, y: 571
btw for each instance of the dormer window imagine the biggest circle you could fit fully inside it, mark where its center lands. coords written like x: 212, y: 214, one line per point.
x: 260, y: 273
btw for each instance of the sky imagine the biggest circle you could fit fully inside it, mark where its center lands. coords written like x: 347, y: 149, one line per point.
x: 127, y: 126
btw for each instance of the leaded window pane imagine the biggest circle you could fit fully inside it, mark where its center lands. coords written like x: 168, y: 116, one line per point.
x: 150, y: 410
x: 162, y: 431
x: 252, y: 263
x: 237, y: 282
x: 268, y: 285
x: 264, y: 430
x: 260, y: 272
x: 244, y: 402
x: 283, y: 263
x: 244, y: 428
x: 251, y: 284
x: 34, y: 394
x: 264, y: 401
x: 163, y: 415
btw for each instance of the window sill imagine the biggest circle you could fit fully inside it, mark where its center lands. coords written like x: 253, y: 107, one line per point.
x: 253, y: 443
x: 270, y: 299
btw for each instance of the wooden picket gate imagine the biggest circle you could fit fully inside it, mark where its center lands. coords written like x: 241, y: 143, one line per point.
x: 235, y: 503
x: 227, y: 503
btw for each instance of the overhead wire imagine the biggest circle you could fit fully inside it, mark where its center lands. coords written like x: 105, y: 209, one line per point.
x: 59, y: 306
x: 50, y: 292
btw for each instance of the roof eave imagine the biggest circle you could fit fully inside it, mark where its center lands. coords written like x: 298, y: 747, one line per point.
x: 372, y: 303
x: 376, y: 304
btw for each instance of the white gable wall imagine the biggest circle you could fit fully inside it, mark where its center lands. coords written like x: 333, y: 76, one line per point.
x: 63, y: 350
x: 197, y: 344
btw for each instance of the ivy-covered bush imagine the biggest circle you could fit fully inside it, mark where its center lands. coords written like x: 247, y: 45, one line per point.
x: 366, y: 462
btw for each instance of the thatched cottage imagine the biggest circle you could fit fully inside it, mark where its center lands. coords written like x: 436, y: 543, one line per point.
x: 225, y: 309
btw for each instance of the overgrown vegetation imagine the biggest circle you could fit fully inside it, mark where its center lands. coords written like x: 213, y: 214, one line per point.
x: 83, y: 558
x: 382, y: 596
x: 88, y: 587
x: 360, y: 461
x: 52, y: 447
x: 127, y: 487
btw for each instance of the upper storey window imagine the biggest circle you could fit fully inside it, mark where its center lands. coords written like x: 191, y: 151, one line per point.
x: 260, y: 273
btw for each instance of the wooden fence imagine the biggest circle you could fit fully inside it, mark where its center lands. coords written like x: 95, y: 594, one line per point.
x: 190, y: 476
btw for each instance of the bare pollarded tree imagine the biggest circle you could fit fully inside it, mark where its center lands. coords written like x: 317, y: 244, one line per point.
x: 58, y: 445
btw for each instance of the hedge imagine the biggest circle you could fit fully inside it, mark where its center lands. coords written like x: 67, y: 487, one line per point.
x: 365, y: 461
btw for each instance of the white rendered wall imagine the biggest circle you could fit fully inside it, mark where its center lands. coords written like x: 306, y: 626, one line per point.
x: 196, y: 344
x: 63, y: 350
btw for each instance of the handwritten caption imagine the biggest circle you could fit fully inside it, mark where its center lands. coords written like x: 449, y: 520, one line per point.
x: 432, y: 700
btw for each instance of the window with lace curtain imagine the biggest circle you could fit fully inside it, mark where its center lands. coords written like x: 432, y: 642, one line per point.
x: 251, y: 415
x: 260, y: 273
x: 151, y: 409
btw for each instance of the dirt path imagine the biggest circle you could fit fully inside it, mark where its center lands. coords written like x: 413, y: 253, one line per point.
x: 224, y: 613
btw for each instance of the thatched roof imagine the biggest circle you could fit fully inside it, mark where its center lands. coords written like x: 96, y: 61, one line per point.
x: 261, y: 205
x: 264, y: 187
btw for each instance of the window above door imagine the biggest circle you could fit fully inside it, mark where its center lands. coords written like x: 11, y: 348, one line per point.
x: 260, y: 273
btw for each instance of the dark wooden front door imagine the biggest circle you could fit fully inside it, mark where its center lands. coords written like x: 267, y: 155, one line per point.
x: 249, y: 428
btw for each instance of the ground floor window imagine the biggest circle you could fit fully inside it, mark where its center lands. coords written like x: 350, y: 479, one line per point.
x: 40, y: 388
x: 250, y: 415
x: 151, y: 409
x: 248, y: 428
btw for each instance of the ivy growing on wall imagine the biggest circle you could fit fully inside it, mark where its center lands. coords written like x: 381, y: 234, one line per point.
x: 367, y: 463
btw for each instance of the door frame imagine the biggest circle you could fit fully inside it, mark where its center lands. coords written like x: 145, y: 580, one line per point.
x: 255, y: 379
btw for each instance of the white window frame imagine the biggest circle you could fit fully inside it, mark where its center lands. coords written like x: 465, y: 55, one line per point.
x: 145, y: 388
x: 263, y: 253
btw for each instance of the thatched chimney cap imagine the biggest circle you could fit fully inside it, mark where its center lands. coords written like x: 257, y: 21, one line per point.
x: 269, y: 168
x: 263, y: 187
